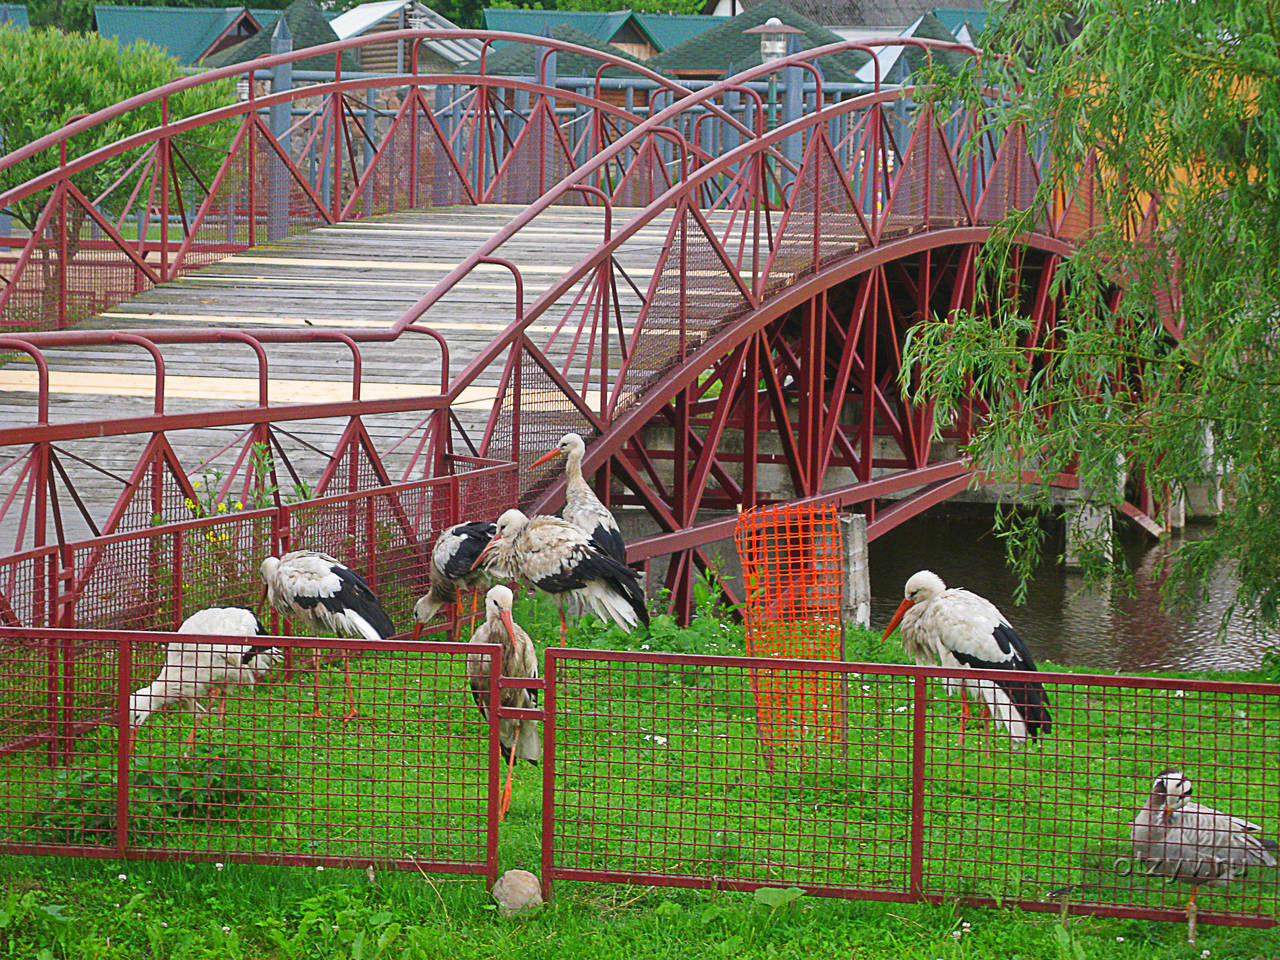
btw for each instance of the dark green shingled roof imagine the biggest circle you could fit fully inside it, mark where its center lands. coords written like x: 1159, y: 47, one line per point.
x: 523, y: 59
x: 309, y: 28
x: 725, y: 46
x: 931, y: 28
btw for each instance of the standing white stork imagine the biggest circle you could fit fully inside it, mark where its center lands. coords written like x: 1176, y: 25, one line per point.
x: 956, y: 628
x: 453, y: 562
x: 559, y: 559
x: 582, y: 507
x: 193, y: 669
x: 324, y: 592
x: 517, y: 738
x: 1199, y: 845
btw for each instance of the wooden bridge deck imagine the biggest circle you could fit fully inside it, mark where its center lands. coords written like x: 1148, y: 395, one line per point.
x: 362, y: 274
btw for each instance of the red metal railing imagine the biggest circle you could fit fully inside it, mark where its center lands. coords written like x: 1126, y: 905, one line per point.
x: 657, y: 771
x: 410, y: 783
x: 661, y: 769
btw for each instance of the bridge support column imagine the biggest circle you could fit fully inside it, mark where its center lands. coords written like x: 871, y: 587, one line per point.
x: 1204, y: 499
x: 1088, y: 531
x: 855, y: 606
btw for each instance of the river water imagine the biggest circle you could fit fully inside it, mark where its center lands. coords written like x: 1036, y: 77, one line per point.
x: 1114, y: 631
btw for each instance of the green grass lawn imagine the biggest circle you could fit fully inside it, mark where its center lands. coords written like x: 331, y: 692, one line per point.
x: 660, y: 768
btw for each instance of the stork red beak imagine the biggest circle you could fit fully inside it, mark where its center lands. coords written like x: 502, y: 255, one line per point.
x: 508, y: 623
x: 549, y: 455
x: 903, y: 607
x: 484, y: 553
x: 417, y: 630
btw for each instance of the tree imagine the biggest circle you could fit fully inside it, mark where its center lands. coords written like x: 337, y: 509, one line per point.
x: 62, y: 76
x: 1179, y: 101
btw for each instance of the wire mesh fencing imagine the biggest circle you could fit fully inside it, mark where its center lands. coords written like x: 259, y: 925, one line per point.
x: 258, y: 764
x: 660, y: 771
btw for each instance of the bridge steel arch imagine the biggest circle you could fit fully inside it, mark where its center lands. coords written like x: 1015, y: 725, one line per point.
x: 766, y: 341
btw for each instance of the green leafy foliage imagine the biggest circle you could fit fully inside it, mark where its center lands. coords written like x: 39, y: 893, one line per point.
x: 81, y: 808
x: 59, y: 77
x: 1177, y: 101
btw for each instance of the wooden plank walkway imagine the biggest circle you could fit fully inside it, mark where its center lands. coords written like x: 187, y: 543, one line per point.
x: 362, y: 274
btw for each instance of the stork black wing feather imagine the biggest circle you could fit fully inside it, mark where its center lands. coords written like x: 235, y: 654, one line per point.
x: 592, y: 564
x: 610, y: 542
x: 1008, y: 639
x: 1028, y: 696
x: 356, y: 595
x: 473, y: 537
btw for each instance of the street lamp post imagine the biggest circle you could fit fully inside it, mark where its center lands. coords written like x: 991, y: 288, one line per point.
x: 773, y: 47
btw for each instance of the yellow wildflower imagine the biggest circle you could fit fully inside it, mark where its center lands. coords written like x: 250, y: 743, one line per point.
x: 222, y: 508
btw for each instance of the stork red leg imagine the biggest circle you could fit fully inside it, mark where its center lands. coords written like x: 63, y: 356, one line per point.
x: 315, y: 681
x: 352, y: 710
x: 505, y: 804
x: 216, y: 694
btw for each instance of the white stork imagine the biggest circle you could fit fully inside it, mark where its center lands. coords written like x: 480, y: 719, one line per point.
x: 582, y: 507
x: 324, y: 592
x: 1181, y: 840
x: 192, y: 670
x: 956, y: 628
x: 561, y: 560
x: 453, y: 561
x: 518, y: 738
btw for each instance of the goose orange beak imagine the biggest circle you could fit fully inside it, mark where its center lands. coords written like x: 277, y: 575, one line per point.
x: 903, y: 607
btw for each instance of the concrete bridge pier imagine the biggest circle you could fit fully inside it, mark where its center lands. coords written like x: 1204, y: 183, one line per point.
x: 1204, y: 499
x: 855, y: 604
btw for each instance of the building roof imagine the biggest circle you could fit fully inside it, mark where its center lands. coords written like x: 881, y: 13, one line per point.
x: 185, y: 33
x: 965, y: 23
x: 873, y: 14
x: 14, y: 14
x: 602, y: 25
x: 898, y: 63
x: 725, y: 46
x: 309, y: 28
x: 523, y: 59
x: 359, y: 19
x: 672, y: 29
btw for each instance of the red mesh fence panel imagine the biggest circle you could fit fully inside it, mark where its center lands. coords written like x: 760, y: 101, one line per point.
x: 1081, y: 216
x: 252, y: 776
x: 692, y: 295
x: 225, y: 226
x: 439, y: 183
x: 662, y: 773
x: 661, y: 776
x: 29, y: 705
x: 823, y: 220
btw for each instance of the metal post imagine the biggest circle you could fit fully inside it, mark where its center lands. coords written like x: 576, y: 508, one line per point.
x: 278, y: 120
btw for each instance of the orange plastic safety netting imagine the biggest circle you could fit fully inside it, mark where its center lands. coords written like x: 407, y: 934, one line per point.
x: 791, y: 569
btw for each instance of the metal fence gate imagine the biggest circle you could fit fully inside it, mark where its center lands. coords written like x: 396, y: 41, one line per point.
x: 661, y: 769
x: 671, y: 770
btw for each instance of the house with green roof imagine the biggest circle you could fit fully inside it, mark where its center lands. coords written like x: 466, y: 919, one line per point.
x: 15, y: 15
x: 188, y: 34
x: 726, y: 47
x: 619, y: 28
x: 524, y: 59
x: 308, y: 26
x: 672, y: 29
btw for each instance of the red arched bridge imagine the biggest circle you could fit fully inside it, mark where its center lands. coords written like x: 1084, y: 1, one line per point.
x: 716, y: 302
